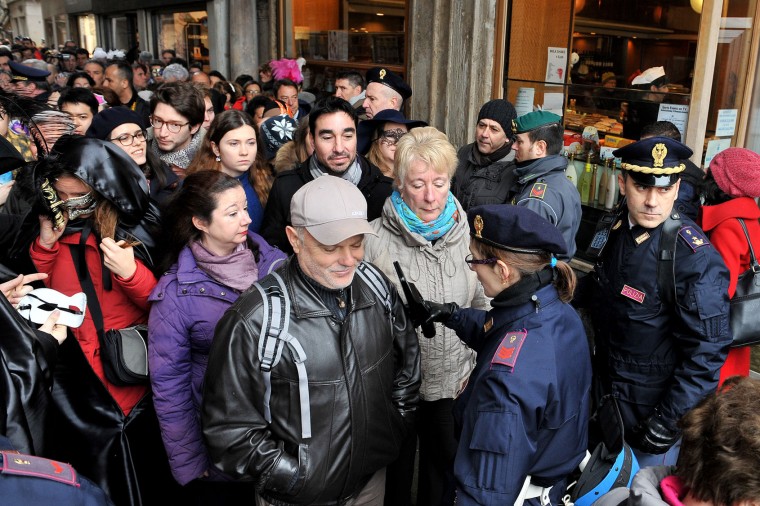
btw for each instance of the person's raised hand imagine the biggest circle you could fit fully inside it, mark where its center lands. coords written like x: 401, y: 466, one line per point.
x: 119, y: 257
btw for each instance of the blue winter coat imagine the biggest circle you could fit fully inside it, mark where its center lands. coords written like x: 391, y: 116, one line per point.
x: 526, y: 406
x: 186, y: 306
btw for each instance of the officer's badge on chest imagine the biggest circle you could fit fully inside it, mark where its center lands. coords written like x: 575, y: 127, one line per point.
x: 509, y: 348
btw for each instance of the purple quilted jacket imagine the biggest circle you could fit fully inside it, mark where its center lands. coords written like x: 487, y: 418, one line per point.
x: 186, y: 305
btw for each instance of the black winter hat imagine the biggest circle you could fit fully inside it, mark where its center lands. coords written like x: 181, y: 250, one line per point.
x: 500, y: 111
x: 105, y: 121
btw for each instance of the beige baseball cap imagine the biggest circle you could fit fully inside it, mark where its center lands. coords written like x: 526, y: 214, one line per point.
x: 331, y: 209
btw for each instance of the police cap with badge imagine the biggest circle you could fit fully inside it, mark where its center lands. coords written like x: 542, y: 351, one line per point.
x: 21, y: 72
x: 516, y: 229
x: 655, y: 161
x: 390, y: 79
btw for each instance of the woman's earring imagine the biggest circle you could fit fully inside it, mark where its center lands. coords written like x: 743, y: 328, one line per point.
x: 218, y: 158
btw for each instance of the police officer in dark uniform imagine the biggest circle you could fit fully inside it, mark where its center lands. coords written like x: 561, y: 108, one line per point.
x: 540, y: 181
x: 36, y: 481
x: 523, y: 417
x: 30, y: 82
x: 660, y: 304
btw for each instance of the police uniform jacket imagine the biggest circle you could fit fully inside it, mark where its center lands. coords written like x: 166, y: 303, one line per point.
x: 363, y: 378
x: 542, y: 186
x: 373, y: 184
x: 649, y: 354
x: 475, y: 184
x: 526, y: 406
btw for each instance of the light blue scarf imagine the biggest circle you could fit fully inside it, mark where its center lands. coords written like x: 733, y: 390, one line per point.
x: 430, y: 230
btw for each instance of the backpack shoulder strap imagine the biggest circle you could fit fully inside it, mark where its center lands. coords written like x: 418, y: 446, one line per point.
x: 273, y: 338
x: 666, y: 274
x: 372, y: 277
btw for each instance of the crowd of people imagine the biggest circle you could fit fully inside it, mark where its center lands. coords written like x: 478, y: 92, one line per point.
x: 337, y: 299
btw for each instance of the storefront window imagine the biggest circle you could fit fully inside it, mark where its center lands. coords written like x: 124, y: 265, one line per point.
x: 187, y: 34
x: 87, y: 32
x: 334, y: 35
x: 729, y: 88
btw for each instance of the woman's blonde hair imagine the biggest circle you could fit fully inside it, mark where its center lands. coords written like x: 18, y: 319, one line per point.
x: 429, y: 145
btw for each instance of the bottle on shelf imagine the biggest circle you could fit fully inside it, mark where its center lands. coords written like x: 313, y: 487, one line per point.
x: 584, y: 185
x: 592, y: 193
x: 602, y: 194
x: 570, y: 172
x: 610, y: 200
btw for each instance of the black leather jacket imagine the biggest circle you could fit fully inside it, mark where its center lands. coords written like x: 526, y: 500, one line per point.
x: 363, y: 382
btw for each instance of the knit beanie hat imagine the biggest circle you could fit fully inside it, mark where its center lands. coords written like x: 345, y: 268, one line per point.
x: 500, y: 111
x: 275, y: 132
x: 737, y: 172
x: 105, y: 121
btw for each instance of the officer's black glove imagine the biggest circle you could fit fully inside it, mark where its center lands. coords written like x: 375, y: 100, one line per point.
x: 653, y: 436
x: 439, y: 312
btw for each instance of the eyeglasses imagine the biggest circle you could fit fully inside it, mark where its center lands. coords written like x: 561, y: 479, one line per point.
x: 172, y: 127
x: 48, y: 306
x: 484, y: 261
x: 391, y: 137
x: 129, y: 139
x: 252, y: 92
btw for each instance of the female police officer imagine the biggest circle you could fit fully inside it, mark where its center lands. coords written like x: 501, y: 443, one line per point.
x: 524, y: 413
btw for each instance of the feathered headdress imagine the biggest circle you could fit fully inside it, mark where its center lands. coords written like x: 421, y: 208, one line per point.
x: 286, y: 69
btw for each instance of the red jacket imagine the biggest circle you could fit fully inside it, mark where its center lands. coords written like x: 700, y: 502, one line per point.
x: 124, y: 305
x: 727, y: 236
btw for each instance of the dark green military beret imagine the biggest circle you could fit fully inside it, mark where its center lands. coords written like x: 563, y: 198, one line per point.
x: 533, y: 120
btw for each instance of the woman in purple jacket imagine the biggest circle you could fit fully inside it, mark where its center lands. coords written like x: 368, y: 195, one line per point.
x: 214, y: 259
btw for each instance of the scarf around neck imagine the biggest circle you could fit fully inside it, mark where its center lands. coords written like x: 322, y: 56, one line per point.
x: 353, y: 174
x: 482, y: 160
x: 182, y: 157
x: 430, y: 230
x: 238, y: 270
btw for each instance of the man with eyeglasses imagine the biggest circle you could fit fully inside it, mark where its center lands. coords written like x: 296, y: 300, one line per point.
x: 332, y: 128
x: 484, y: 171
x: 118, y: 77
x: 177, y: 110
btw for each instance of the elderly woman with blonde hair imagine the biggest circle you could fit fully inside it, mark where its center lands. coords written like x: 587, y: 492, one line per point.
x: 425, y: 229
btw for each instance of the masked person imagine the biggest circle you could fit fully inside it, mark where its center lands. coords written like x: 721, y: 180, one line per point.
x: 96, y: 230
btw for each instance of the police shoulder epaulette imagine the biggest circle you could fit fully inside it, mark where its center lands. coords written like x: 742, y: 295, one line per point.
x: 509, y: 348
x: 693, y: 237
x: 538, y: 191
x: 37, y: 467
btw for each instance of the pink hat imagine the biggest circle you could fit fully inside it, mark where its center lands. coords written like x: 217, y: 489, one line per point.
x: 737, y: 172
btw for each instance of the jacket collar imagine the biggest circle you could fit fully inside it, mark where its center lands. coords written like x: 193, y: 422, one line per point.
x: 742, y: 207
x: 540, y: 167
x: 306, y: 303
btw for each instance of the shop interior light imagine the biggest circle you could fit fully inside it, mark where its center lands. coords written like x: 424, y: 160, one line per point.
x: 696, y: 5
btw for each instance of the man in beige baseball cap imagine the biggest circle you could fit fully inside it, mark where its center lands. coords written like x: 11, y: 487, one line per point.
x: 329, y: 220
x: 315, y: 368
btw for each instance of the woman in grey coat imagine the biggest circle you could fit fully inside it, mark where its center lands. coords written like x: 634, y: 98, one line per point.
x: 425, y: 229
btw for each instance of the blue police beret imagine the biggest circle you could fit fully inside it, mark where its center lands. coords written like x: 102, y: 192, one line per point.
x: 655, y: 161
x: 390, y: 79
x: 26, y: 73
x: 515, y: 228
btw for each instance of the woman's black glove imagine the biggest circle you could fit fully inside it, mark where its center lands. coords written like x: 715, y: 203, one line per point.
x: 439, y: 312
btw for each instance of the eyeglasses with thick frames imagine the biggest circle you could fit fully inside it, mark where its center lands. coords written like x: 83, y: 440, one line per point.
x: 129, y: 139
x: 252, y: 92
x: 172, y: 127
x: 484, y: 261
